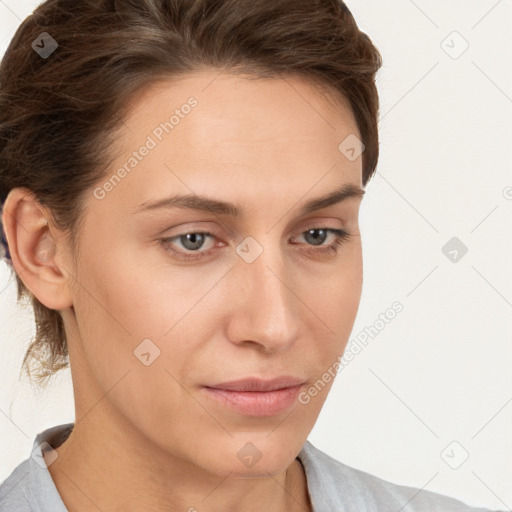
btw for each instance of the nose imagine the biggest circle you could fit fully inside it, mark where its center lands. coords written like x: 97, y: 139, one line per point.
x: 264, y: 309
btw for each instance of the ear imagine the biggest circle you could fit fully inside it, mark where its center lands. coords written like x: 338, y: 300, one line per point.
x: 34, y: 248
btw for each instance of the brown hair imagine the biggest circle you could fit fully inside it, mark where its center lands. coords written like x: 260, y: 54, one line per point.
x: 58, y: 114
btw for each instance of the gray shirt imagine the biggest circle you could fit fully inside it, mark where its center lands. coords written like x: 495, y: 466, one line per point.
x: 332, y: 486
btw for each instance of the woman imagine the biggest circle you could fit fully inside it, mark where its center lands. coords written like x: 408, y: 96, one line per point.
x: 181, y: 182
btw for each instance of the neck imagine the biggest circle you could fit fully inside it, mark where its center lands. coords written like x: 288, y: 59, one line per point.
x: 111, y: 466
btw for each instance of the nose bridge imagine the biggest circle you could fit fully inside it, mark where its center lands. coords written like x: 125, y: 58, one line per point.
x: 264, y: 304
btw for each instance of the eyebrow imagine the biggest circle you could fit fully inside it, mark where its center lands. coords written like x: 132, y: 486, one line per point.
x: 206, y: 204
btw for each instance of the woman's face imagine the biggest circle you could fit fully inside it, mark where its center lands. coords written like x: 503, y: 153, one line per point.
x: 263, y: 296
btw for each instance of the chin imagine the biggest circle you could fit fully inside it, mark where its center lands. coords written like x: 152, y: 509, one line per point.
x: 252, y: 454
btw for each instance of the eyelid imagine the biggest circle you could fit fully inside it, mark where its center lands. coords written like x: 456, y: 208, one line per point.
x: 214, y: 233
x: 340, y: 236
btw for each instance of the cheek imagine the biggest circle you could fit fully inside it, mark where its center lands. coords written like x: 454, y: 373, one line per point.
x: 145, y: 300
x: 133, y: 314
x: 335, y: 303
x: 123, y: 318
x: 335, y: 293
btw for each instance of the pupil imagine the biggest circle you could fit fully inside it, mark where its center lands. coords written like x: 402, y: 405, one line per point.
x: 195, y: 238
x: 317, y: 240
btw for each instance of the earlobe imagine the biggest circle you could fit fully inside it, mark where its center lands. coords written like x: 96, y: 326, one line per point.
x: 33, y: 249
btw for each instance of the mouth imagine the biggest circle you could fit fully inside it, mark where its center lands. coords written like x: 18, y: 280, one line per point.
x: 255, y: 396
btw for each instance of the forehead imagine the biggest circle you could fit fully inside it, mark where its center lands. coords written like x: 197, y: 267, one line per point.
x: 245, y: 108
x: 244, y: 136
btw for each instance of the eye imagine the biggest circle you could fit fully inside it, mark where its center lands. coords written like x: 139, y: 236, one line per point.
x: 193, y: 241
x: 316, y: 236
x: 339, y: 235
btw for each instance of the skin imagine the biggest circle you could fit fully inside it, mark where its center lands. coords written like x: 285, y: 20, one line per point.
x: 147, y: 437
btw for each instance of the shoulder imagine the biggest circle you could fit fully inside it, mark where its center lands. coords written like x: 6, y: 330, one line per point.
x: 337, y: 486
x: 14, y: 490
x: 30, y: 486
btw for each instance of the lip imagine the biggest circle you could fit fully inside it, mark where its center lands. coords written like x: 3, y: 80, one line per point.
x: 256, y: 396
x: 259, y: 384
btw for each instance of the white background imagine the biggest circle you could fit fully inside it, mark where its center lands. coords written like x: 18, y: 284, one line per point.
x: 440, y: 371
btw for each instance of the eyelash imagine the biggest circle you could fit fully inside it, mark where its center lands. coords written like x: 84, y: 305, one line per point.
x: 340, y: 237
